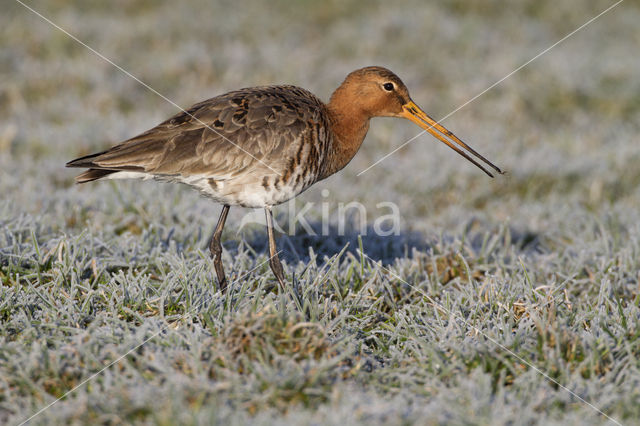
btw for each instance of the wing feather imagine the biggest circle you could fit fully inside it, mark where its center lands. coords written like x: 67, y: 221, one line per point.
x: 222, y: 136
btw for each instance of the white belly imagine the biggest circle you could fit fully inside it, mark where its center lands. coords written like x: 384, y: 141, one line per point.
x: 228, y: 191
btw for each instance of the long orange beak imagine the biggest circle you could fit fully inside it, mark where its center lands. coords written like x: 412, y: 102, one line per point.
x: 413, y: 112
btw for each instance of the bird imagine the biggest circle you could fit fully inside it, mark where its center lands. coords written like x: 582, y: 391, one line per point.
x: 258, y: 147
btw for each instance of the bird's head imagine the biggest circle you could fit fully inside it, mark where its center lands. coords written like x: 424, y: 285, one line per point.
x: 377, y: 92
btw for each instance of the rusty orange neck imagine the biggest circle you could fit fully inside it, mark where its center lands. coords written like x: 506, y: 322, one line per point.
x: 349, y: 124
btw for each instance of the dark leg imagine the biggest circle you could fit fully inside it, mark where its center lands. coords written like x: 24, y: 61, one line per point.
x: 216, y: 249
x: 274, y: 260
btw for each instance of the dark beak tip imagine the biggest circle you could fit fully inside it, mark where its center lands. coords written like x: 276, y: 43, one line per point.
x: 500, y: 172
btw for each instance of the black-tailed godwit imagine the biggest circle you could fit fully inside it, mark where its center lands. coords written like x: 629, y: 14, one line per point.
x: 261, y: 146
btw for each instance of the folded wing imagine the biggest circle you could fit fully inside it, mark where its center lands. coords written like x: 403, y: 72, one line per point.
x: 255, y: 128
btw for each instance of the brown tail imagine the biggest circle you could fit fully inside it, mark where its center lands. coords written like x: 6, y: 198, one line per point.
x: 95, y: 171
x: 86, y: 161
x: 93, y: 174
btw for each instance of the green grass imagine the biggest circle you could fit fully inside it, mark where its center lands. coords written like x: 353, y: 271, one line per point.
x: 490, y: 284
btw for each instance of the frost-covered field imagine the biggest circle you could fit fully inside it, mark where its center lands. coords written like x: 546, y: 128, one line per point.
x: 490, y: 285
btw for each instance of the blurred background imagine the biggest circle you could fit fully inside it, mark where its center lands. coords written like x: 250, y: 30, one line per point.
x: 89, y: 272
x: 564, y: 127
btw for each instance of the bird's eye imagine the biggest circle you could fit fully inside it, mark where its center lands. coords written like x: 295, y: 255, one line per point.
x: 388, y: 87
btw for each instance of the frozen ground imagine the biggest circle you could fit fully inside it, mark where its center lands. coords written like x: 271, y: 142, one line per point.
x: 490, y: 282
